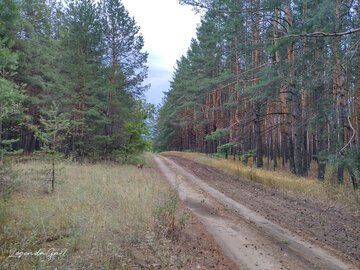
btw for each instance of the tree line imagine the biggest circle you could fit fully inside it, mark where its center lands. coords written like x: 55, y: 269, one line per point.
x: 278, y: 81
x: 71, y: 76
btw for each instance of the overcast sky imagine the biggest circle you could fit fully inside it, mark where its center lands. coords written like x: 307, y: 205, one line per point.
x: 167, y: 28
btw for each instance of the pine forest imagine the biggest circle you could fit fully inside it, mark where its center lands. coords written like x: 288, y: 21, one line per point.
x: 180, y: 134
x: 71, y: 78
x: 274, y: 81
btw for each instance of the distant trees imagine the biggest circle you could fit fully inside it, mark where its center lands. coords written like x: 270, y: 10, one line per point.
x: 86, y: 56
x: 10, y: 95
x: 279, y: 79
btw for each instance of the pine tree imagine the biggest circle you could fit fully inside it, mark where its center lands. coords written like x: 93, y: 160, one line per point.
x: 10, y: 96
x: 125, y: 63
x: 53, y: 131
x: 292, y: 88
x: 64, y: 53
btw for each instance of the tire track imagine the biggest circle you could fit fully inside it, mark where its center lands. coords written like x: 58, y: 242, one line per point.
x: 249, y: 239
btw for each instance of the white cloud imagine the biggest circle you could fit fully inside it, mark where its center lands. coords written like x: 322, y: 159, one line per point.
x: 168, y: 28
x: 166, y: 25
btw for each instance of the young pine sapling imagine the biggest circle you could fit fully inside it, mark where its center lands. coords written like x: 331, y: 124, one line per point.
x: 54, y: 129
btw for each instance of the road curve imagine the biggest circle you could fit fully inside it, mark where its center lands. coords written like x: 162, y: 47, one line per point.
x: 249, y: 239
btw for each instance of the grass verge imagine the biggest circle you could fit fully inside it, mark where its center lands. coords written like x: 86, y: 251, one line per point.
x: 101, y: 216
x: 279, y: 179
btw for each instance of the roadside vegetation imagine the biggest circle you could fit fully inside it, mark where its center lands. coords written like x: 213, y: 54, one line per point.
x: 100, y: 216
x: 281, y: 179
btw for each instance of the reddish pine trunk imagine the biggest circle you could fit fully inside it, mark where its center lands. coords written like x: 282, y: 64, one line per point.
x: 257, y: 104
x: 358, y: 87
x: 290, y: 94
x: 338, y: 92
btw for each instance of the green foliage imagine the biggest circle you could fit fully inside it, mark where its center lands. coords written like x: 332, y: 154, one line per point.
x: 137, y: 131
x: 218, y: 134
x: 224, y: 148
x: 244, y: 157
x: 7, y: 148
x: 10, y: 95
x: 54, y: 127
x: 282, y: 69
x: 124, y: 45
x: 203, y: 68
x: 86, y: 56
x: 349, y: 160
x: 10, y: 108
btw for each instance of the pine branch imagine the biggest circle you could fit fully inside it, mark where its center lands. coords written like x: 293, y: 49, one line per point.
x: 243, y: 81
x: 321, y: 34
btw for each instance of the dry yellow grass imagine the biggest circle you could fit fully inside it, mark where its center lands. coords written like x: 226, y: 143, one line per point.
x: 278, y: 179
x: 104, y: 215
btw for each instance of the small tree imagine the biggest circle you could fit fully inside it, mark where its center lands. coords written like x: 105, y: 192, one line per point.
x: 137, y: 130
x: 54, y: 128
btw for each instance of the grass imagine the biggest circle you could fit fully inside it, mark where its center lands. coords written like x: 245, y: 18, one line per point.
x: 101, y: 216
x: 279, y: 179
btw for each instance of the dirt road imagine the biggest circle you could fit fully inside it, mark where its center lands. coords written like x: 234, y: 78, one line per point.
x: 250, y: 239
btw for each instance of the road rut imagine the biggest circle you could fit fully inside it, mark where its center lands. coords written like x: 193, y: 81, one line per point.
x: 252, y: 241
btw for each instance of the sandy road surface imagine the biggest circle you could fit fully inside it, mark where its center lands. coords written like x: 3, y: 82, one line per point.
x: 252, y: 241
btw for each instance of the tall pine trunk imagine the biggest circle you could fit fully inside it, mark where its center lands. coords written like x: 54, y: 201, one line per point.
x: 290, y: 94
x: 257, y: 102
x: 357, y: 89
x: 338, y: 93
